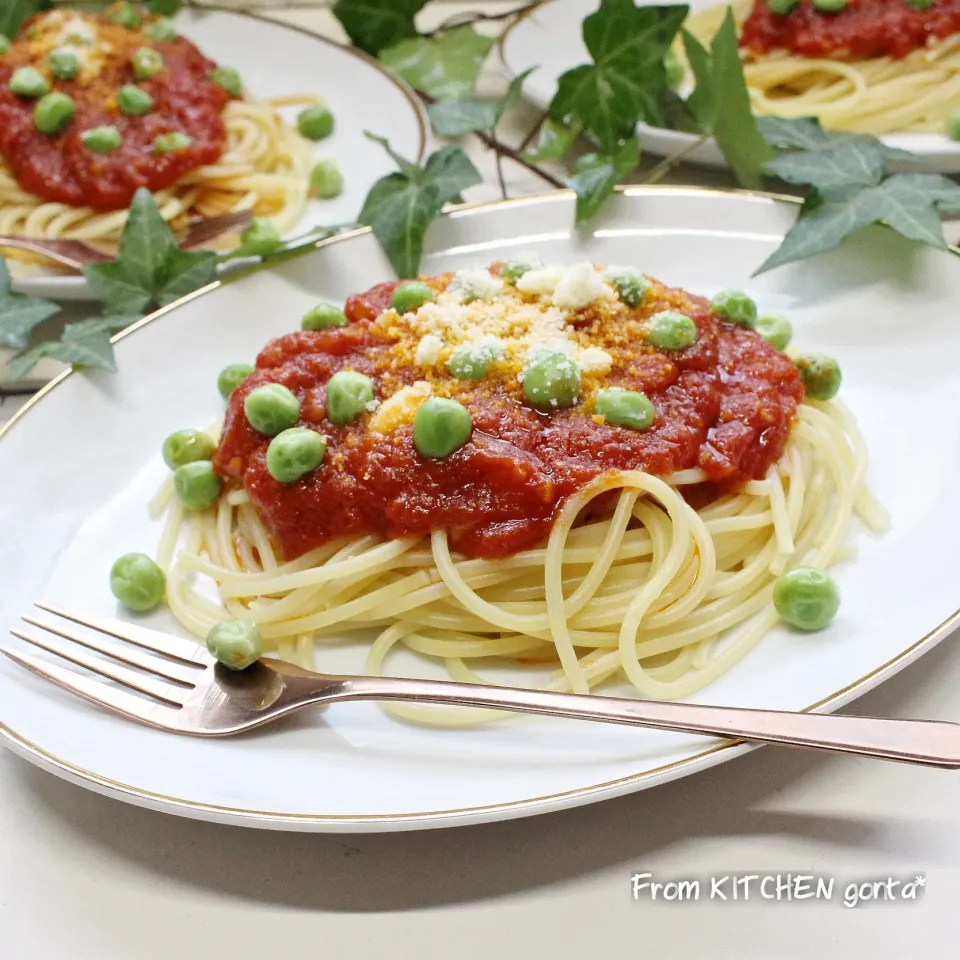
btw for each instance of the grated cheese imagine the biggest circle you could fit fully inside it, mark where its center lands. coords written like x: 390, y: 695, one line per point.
x: 475, y: 284
x: 428, y: 350
x: 401, y: 408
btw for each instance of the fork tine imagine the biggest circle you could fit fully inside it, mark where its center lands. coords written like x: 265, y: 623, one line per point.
x: 164, y: 692
x: 187, y: 651
x: 126, y: 704
x: 123, y: 653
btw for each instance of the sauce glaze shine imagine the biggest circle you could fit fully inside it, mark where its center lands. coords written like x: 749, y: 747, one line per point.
x: 725, y: 404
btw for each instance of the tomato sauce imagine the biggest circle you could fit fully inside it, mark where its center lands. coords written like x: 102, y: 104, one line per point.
x: 62, y: 169
x: 863, y: 29
x: 724, y: 404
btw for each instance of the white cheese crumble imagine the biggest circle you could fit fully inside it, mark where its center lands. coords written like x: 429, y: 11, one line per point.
x: 428, y: 350
x: 594, y: 360
x: 77, y: 32
x: 475, y: 284
x: 542, y: 281
x: 578, y: 286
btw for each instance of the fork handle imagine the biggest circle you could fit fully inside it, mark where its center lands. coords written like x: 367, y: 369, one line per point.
x: 931, y: 743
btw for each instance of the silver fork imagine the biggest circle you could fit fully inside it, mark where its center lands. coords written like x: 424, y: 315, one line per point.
x: 175, y: 685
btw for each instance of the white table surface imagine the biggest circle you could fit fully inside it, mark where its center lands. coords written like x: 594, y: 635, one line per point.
x: 87, y: 878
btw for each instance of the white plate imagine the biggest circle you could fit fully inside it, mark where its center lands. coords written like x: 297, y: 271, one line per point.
x: 550, y: 38
x: 80, y: 464
x: 275, y: 59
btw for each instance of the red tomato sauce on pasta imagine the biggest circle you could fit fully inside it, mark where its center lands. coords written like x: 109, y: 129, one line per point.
x: 863, y: 29
x: 724, y: 404
x: 61, y: 168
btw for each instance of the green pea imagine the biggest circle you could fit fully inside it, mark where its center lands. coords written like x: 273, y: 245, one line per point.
x: 806, y: 598
x: 229, y: 79
x: 146, y: 63
x: 775, y: 329
x: 830, y: 6
x: 820, y: 375
x: 315, y: 123
x: 441, y: 427
x: 161, y: 30
x: 625, y: 408
x: 551, y: 379
x: 326, y: 180
x: 187, y: 446
x: 953, y: 125
x: 137, y: 582
x: 4, y: 44
x: 675, y: 70
x: 271, y: 409
x: 324, y: 316
x: 669, y: 330
x: 513, y: 270
x: 125, y: 15
x: 101, y: 139
x: 260, y: 238
x: 64, y: 64
x: 411, y: 296
x: 349, y: 395
x: 197, y: 485
x: 782, y: 7
x: 171, y: 142
x: 133, y: 102
x: 631, y: 287
x: 294, y: 453
x: 471, y: 361
x: 231, y: 377
x: 736, y: 307
x: 28, y: 82
x: 920, y: 4
x: 53, y: 113
x: 236, y: 644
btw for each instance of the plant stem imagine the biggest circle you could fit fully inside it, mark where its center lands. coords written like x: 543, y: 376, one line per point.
x: 534, y: 130
x: 500, y: 179
x: 464, y: 20
x: 668, y: 163
x: 501, y: 148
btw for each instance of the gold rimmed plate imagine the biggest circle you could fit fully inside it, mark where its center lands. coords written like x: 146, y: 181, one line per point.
x: 80, y: 463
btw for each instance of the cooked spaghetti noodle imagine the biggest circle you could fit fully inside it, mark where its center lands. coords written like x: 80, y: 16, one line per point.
x: 662, y: 581
x: 912, y: 93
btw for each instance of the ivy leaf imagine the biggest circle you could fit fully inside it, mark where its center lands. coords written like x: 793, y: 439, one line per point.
x: 596, y: 175
x: 734, y: 126
x: 621, y: 86
x: 455, y: 118
x: 85, y: 344
x: 805, y: 133
x: 19, y: 314
x: 13, y: 13
x: 452, y: 171
x: 833, y: 168
x: 445, y: 67
x: 553, y: 142
x: 908, y: 203
x: 702, y: 103
x: 149, y: 267
x: 374, y: 24
x: 164, y: 8
x: 402, y: 205
x: 186, y: 271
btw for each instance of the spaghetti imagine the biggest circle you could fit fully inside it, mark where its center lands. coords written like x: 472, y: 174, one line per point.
x: 664, y: 581
x: 234, y: 153
x: 877, y: 66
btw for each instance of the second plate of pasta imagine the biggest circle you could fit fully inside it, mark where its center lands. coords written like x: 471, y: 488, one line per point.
x: 204, y: 111
x: 897, y: 86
